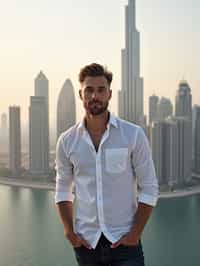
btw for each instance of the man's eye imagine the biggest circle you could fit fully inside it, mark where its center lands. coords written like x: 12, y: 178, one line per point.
x: 101, y: 89
x: 89, y: 90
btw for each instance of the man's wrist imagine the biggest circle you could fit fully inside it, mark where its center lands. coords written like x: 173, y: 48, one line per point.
x: 68, y: 231
x: 135, y: 234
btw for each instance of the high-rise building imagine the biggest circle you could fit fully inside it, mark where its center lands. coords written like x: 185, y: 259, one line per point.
x: 164, y: 151
x: 164, y: 108
x: 184, y: 149
x: 39, y: 127
x: 14, y: 140
x: 39, y: 157
x: 157, y: 145
x: 197, y: 141
x: 66, y: 108
x: 4, y: 121
x: 183, y: 105
x: 172, y: 150
x: 130, y: 102
x: 194, y: 116
x: 153, y: 102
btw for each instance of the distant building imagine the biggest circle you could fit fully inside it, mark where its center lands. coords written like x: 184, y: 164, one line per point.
x: 153, y: 102
x: 183, y: 105
x: 164, y: 108
x: 185, y: 149
x: 157, y: 144
x: 171, y: 142
x: 39, y: 127
x: 194, y: 116
x: 66, y: 108
x: 130, y: 98
x: 4, y: 134
x: 14, y: 141
x: 165, y: 152
x: 39, y: 157
x: 4, y: 125
x: 197, y: 141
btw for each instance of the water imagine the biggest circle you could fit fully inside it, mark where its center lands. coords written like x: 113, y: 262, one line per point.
x: 31, y: 233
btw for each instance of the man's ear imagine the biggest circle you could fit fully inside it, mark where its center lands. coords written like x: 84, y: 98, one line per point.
x: 80, y: 94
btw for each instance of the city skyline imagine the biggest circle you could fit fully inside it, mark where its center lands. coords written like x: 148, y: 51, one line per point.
x: 169, y: 47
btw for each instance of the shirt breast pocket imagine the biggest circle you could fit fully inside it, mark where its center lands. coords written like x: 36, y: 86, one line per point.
x: 116, y: 160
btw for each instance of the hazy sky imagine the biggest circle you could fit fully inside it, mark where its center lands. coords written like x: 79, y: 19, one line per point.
x: 59, y: 37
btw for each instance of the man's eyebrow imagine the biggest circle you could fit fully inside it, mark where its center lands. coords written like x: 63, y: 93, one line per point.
x: 102, y: 87
x: 89, y: 87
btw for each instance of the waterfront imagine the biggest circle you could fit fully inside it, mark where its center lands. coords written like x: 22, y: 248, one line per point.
x: 31, y: 234
x: 42, y: 183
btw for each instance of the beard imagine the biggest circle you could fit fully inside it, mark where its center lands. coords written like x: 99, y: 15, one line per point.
x: 97, y: 107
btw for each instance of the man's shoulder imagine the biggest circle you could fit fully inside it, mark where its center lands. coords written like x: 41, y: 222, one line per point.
x: 69, y: 133
x: 124, y: 124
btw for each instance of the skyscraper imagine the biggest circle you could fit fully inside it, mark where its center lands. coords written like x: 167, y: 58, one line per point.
x: 4, y: 142
x: 164, y: 141
x: 171, y: 143
x: 153, y: 101
x: 131, y: 95
x: 66, y: 108
x: 3, y: 121
x: 39, y: 159
x: 14, y: 140
x: 39, y: 127
x: 164, y: 108
x: 184, y: 149
x: 157, y: 145
x: 183, y: 106
x: 197, y: 141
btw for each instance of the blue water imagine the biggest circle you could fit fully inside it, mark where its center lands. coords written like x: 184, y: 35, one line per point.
x: 32, y: 235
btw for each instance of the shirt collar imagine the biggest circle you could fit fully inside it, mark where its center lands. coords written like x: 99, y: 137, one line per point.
x: 112, y: 121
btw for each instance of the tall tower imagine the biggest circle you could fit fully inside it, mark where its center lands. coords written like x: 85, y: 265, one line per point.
x: 197, y: 141
x: 183, y: 100
x: 165, y: 152
x: 39, y: 163
x: 4, y: 142
x: 39, y: 127
x: 171, y: 142
x: 164, y: 108
x: 157, y: 145
x: 3, y: 121
x: 66, y: 108
x: 14, y: 140
x: 131, y: 95
x: 153, y: 101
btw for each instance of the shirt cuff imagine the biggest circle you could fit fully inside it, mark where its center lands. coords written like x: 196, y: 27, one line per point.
x: 64, y: 196
x: 148, y: 199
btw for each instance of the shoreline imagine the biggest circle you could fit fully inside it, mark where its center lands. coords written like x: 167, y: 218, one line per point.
x: 51, y: 187
x: 26, y: 183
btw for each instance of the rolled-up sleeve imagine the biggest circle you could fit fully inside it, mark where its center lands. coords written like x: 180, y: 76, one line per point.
x: 144, y: 170
x: 64, y: 174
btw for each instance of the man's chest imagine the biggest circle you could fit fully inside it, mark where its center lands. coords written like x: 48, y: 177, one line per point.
x: 93, y: 157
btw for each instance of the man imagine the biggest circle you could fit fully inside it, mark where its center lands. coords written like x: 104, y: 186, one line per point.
x: 108, y: 161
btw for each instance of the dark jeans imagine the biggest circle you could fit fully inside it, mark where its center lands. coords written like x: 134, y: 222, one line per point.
x: 103, y: 255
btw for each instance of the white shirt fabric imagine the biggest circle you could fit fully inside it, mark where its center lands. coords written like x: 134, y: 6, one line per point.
x: 108, y: 183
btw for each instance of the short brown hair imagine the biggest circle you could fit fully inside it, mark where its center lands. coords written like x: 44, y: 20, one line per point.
x: 95, y: 70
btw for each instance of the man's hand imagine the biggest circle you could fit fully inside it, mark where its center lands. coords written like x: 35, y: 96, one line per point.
x: 141, y: 217
x: 76, y: 241
x: 129, y: 239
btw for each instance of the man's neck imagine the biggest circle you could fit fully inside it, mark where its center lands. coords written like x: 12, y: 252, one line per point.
x: 98, y: 123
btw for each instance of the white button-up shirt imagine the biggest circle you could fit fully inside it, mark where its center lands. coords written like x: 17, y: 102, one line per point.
x: 108, y: 183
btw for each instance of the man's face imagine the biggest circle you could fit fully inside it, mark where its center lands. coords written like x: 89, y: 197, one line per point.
x: 95, y: 93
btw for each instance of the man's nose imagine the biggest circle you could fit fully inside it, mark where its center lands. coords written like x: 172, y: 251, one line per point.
x: 94, y: 95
